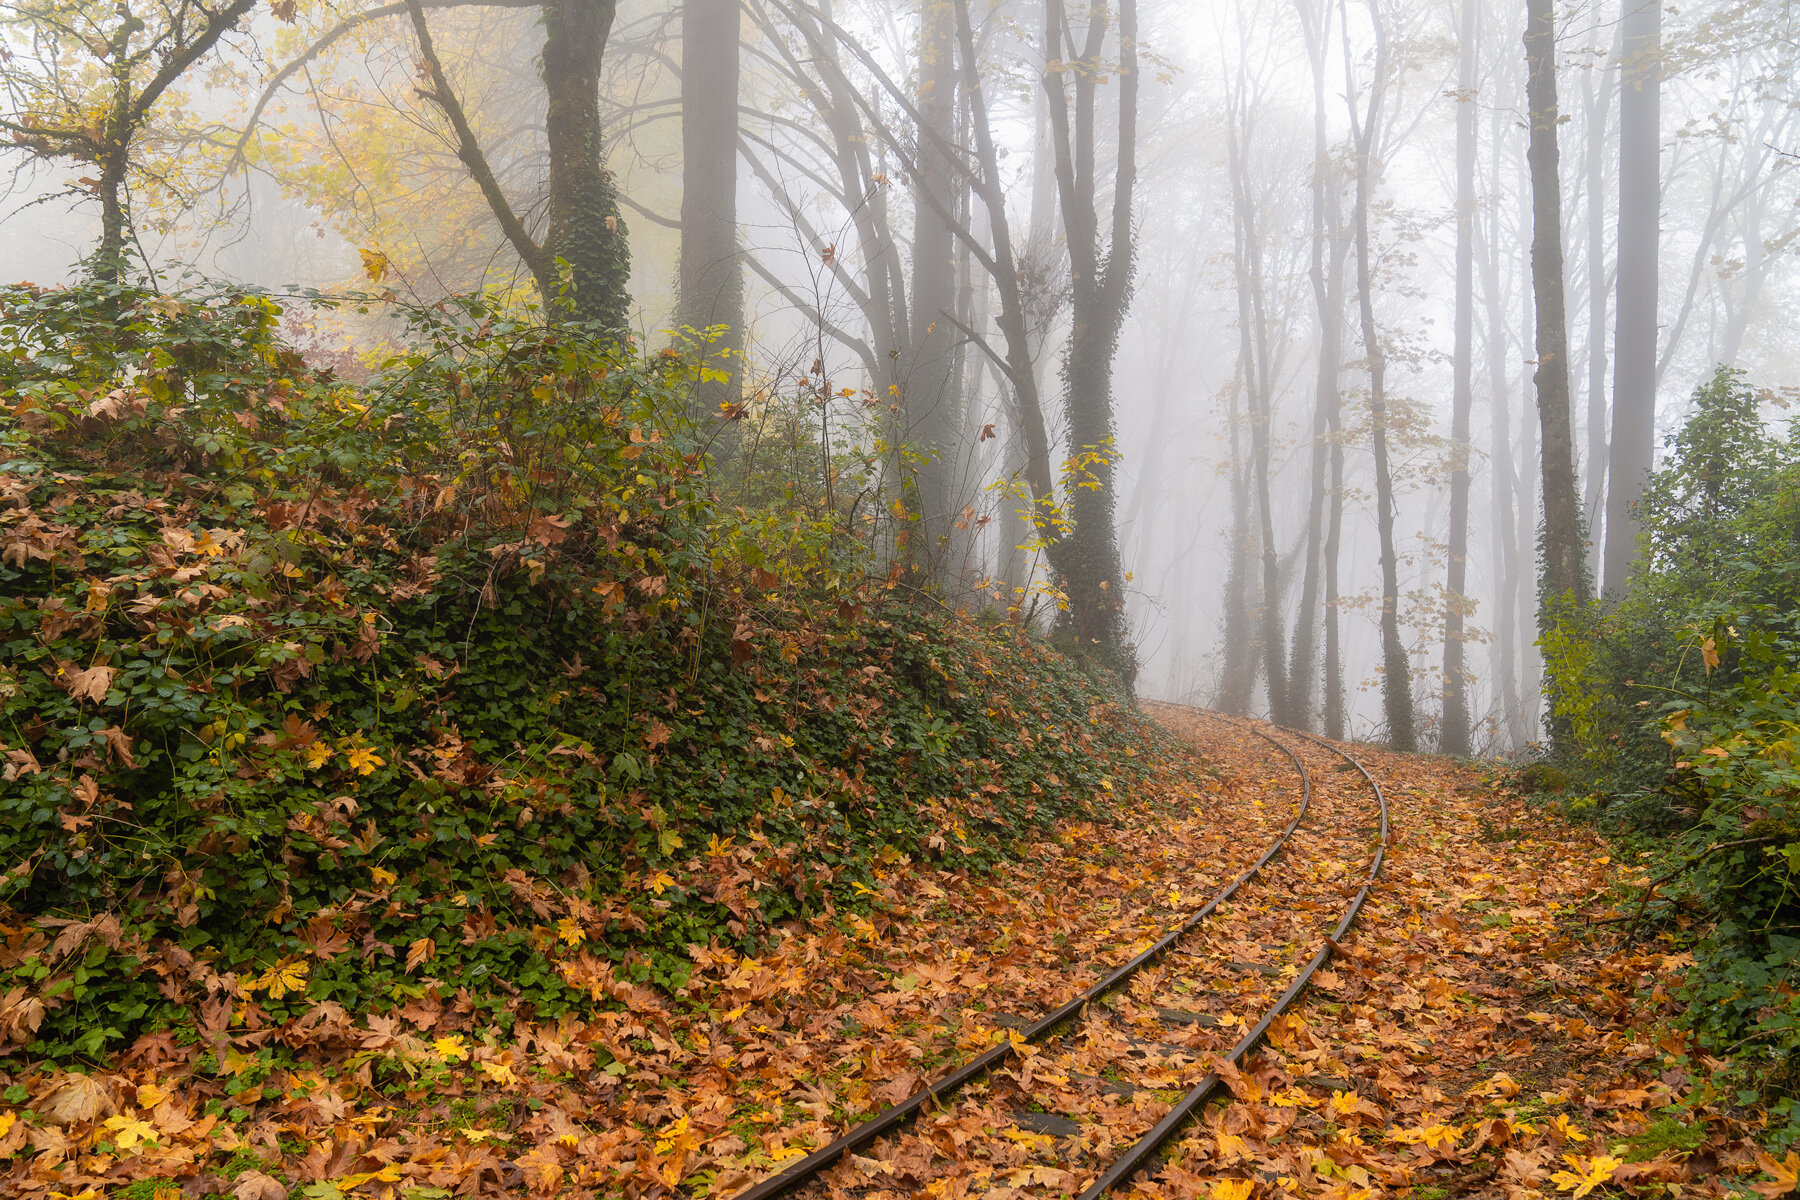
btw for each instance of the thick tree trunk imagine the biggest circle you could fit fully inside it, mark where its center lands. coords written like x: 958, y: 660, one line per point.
x: 711, y: 283
x: 1396, y: 668
x: 585, y: 229
x: 1087, y: 557
x: 1453, y: 736
x: 1564, y: 579
x: 1634, y: 346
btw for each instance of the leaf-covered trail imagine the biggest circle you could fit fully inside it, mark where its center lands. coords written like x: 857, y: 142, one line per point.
x: 1067, y: 1108
x: 1478, y: 1036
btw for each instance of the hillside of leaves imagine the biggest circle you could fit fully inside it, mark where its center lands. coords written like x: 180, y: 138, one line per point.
x: 453, y: 685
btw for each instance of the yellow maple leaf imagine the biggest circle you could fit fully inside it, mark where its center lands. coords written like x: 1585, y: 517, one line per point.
x: 148, y: 1096
x: 570, y: 931
x: 128, y: 1131
x: 288, y: 975
x: 451, y: 1048
x: 1232, y: 1189
x: 1567, y: 1128
x: 1589, y: 1173
x: 317, y: 754
x: 387, y: 1174
x: 661, y: 882
x: 374, y: 263
x: 499, y: 1072
x: 364, y: 760
x: 382, y: 875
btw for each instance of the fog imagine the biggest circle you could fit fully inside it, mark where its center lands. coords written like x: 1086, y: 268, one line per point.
x: 948, y: 241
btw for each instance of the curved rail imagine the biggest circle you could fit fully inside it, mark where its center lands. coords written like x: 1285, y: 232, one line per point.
x: 1146, y: 1147
x: 802, y: 1170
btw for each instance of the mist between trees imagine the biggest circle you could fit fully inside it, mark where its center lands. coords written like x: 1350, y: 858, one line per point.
x: 1300, y: 357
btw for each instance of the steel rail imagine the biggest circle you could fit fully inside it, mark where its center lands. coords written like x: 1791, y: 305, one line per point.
x: 804, y: 1169
x: 1145, y: 1148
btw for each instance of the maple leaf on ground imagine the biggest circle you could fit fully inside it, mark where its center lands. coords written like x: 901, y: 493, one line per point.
x: 420, y: 951
x: 1232, y: 1189
x: 76, y: 1098
x: 1589, y: 1173
x: 254, y: 1185
x: 127, y: 1131
x: 1787, y: 1174
x: 89, y: 684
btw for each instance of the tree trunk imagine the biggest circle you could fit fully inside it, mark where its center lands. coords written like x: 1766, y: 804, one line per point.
x: 585, y: 229
x: 1087, y: 557
x: 1563, y: 577
x: 1325, y: 271
x: 1503, y: 475
x: 1597, y: 106
x: 711, y: 281
x: 1236, y: 683
x: 1396, y: 682
x: 1453, y: 736
x: 931, y: 398
x: 1634, y: 345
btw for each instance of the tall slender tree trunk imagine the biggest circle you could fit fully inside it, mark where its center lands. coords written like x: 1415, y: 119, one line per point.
x: 585, y: 230
x: 1597, y: 103
x: 932, y: 399
x: 1236, y: 680
x: 1396, y: 683
x: 1634, y: 345
x: 1254, y: 368
x: 1325, y: 272
x: 711, y: 283
x: 1454, y: 734
x: 1503, y: 506
x: 1563, y: 576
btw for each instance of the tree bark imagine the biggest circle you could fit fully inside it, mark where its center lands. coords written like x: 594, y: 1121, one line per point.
x: 932, y: 401
x: 1396, y: 668
x: 1634, y: 344
x: 1325, y: 271
x: 1453, y: 736
x: 1087, y: 556
x: 711, y: 281
x: 585, y: 230
x: 1564, y: 580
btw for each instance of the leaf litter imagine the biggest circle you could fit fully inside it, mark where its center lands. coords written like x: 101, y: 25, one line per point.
x: 1478, y: 1035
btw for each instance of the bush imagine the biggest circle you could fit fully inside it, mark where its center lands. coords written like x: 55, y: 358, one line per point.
x: 455, y: 681
x: 1684, y: 703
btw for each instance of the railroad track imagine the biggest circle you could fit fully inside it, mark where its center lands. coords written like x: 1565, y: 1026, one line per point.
x: 1052, y: 1095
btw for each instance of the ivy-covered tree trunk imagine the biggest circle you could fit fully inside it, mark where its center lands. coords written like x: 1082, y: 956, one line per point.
x: 585, y: 229
x: 1087, y: 557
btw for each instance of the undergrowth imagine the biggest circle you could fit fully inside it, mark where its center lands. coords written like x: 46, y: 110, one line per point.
x: 1682, y: 705
x: 459, y: 682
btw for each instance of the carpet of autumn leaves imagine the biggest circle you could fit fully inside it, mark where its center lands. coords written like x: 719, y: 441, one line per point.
x: 1478, y: 1036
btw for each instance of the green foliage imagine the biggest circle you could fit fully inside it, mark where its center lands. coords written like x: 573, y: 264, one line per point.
x: 1684, y: 704
x: 454, y: 683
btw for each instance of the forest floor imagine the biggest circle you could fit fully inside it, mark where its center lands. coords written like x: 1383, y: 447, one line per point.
x: 1482, y: 1033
